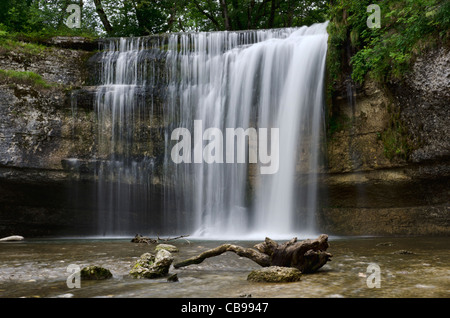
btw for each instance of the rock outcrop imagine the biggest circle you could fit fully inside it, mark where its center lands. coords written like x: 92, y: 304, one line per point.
x: 152, y: 266
x: 388, y: 151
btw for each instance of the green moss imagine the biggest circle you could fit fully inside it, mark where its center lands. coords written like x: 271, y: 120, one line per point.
x: 338, y: 123
x: 395, y: 139
x: 150, y: 266
x: 95, y: 273
x: 26, y: 77
x: 337, y: 35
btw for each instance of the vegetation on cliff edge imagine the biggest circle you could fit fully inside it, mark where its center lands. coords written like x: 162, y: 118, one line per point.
x: 25, y: 77
x: 384, y: 55
x: 408, y: 27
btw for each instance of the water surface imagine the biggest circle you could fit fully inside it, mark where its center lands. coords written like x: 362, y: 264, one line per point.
x: 37, y: 268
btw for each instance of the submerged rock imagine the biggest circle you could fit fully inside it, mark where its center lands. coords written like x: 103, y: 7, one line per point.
x: 173, y: 278
x: 275, y: 274
x: 385, y: 244
x: 95, y: 273
x: 403, y: 252
x: 167, y: 247
x: 152, y: 266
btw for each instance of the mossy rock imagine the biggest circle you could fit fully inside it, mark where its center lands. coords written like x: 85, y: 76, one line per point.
x: 145, y: 260
x: 167, y: 247
x: 275, y: 274
x: 152, y: 266
x: 95, y: 273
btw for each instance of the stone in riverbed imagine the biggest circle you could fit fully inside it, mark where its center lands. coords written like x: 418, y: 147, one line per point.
x: 173, y: 278
x: 152, y: 266
x: 275, y: 274
x: 403, y: 252
x: 385, y: 244
x: 167, y: 247
x: 95, y: 273
x: 12, y: 238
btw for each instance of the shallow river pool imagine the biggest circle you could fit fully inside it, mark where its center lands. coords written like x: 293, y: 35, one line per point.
x: 38, y: 268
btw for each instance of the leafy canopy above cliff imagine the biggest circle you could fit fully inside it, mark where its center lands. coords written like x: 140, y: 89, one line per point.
x: 407, y: 28
x: 144, y: 17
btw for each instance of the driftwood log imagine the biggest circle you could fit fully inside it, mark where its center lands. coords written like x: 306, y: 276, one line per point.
x: 307, y: 256
x: 148, y: 240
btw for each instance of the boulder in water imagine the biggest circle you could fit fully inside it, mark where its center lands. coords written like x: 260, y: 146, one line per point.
x: 168, y: 247
x: 152, y: 266
x: 275, y: 274
x: 12, y: 238
x: 172, y: 278
x: 403, y: 252
x: 95, y: 273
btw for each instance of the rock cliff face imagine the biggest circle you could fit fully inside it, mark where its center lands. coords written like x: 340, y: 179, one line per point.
x: 37, y: 124
x: 387, y: 164
x: 425, y: 102
x: 388, y: 152
x: 38, y: 131
x: 48, y: 141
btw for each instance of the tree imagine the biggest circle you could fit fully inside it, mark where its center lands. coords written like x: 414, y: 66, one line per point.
x: 103, y: 17
x: 226, y: 17
x: 144, y: 17
x: 252, y: 14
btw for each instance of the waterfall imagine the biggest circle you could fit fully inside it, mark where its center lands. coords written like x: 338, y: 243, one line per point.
x: 240, y: 80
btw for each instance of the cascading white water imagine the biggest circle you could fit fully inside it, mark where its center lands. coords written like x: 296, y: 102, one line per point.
x: 260, y: 79
x: 124, y: 170
x: 298, y: 112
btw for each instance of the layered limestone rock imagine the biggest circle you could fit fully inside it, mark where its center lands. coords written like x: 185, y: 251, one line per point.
x: 387, y: 152
x: 388, y: 169
x: 39, y: 130
x: 48, y: 140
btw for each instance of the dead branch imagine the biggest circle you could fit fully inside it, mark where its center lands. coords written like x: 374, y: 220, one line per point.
x: 308, y: 256
x: 254, y: 255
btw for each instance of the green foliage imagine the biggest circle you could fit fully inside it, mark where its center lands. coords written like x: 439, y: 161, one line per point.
x: 46, y: 18
x: 407, y: 28
x: 29, y: 78
x: 8, y: 43
x: 337, y: 31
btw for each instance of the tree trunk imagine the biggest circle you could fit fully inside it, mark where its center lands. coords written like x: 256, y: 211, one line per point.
x: 101, y: 13
x: 237, y: 9
x: 273, y: 8
x: 307, y: 256
x: 250, y: 13
x: 225, y: 15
